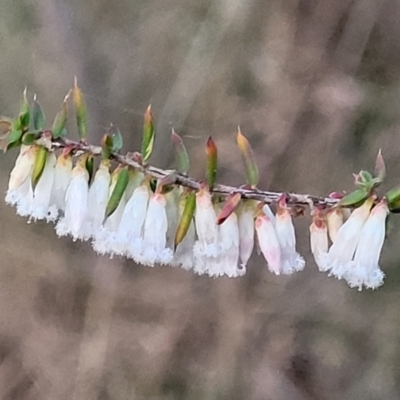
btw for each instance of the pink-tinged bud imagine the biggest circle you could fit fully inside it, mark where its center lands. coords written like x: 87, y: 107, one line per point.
x: 227, y: 262
x: 155, y: 248
x: 342, y: 250
x: 76, y: 206
x: 18, y: 186
x: 62, y: 178
x: 319, y: 241
x: 246, y: 215
x: 269, y: 244
x: 41, y: 207
x: 97, y: 200
x: 335, y: 221
x: 291, y: 261
x: 206, y: 227
x: 365, y: 270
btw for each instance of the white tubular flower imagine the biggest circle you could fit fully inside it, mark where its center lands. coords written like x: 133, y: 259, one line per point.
x: 97, y: 199
x: 155, y: 233
x: 62, y: 178
x: 41, y: 207
x: 227, y: 262
x: 291, y: 261
x: 269, y: 243
x: 246, y: 215
x: 335, y: 221
x: 319, y: 241
x: 130, y: 230
x: 206, y: 226
x: 19, y: 183
x: 76, y: 203
x: 342, y: 250
x: 365, y: 270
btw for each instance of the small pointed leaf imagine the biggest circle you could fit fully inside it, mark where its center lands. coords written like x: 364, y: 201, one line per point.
x: 106, y: 146
x: 60, y: 120
x: 252, y: 175
x: 393, y: 197
x: 117, y: 139
x: 89, y: 165
x: 118, y: 192
x: 380, y: 167
x: 29, y: 138
x: 186, y: 218
x: 80, y: 111
x: 39, y: 164
x: 38, y: 117
x: 231, y: 204
x: 24, y: 113
x: 212, y: 162
x: 353, y: 198
x: 181, y: 155
x: 148, y: 135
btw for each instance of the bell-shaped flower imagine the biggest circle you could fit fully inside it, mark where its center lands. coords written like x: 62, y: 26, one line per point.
x: 206, y: 226
x: 20, y: 177
x: 131, y: 227
x: 291, y: 261
x: 335, y: 221
x: 364, y: 270
x: 269, y: 243
x: 41, y: 207
x: 62, y: 178
x: 342, y: 250
x: 228, y: 259
x: 76, y: 203
x: 155, y: 248
x: 97, y: 200
x: 319, y: 240
x: 246, y: 216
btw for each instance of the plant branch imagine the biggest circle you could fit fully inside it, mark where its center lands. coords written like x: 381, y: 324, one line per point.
x: 186, y: 181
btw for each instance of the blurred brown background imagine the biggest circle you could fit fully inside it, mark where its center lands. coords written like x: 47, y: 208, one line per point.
x: 315, y: 86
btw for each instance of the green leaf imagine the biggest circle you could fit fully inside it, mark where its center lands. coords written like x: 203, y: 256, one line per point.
x: 148, y: 135
x: 24, y: 113
x: 181, y: 155
x: 117, y: 139
x: 29, y: 138
x: 354, y: 198
x: 252, y: 175
x: 186, y: 218
x: 14, y: 139
x: 38, y: 117
x: 106, y: 146
x: 365, y: 177
x: 80, y: 110
x: 212, y: 162
x: 38, y: 166
x: 118, y: 192
x: 393, y: 197
x: 89, y: 165
x: 60, y: 120
x: 380, y: 167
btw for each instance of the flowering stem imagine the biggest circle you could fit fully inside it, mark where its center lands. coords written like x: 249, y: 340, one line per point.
x: 186, y: 181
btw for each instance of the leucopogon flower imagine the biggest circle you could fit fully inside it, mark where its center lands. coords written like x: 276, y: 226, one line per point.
x: 62, y: 178
x: 76, y: 203
x: 246, y: 215
x: 319, y: 240
x: 364, y: 270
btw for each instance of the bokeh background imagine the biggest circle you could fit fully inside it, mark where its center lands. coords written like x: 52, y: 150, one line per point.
x: 315, y: 87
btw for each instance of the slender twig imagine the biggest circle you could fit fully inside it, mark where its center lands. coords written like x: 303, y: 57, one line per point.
x: 187, y: 181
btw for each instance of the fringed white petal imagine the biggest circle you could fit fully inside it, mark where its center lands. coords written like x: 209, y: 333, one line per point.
x: 319, y: 242
x: 62, y: 179
x: 269, y: 244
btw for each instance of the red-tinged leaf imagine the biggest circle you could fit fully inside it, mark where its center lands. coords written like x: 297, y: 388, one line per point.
x: 181, y: 155
x: 252, y: 175
x: 80, y: 110
x: 231, y: 204
x: 186, y: 218
x: 148, y: 135
x: 106, y: 146
x: 212, y: 162
x: 354, y: 198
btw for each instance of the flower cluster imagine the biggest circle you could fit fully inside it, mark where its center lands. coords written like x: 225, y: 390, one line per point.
x: 144, y: 223
x: 356, y: 243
